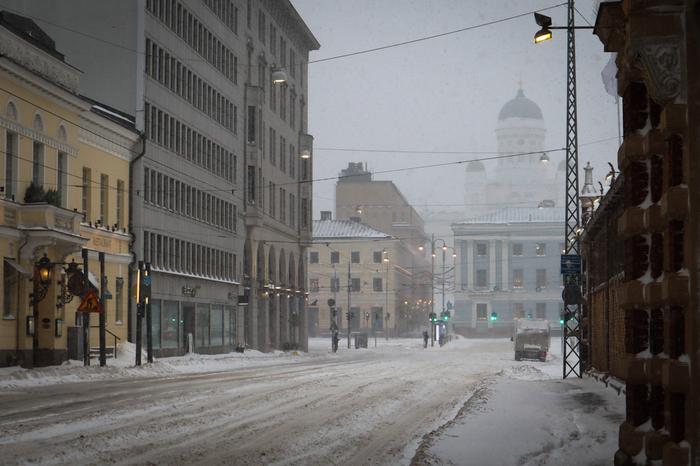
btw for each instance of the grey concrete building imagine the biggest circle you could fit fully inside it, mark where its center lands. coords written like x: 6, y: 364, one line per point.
x: 508, y: 264
x: 221, y: 198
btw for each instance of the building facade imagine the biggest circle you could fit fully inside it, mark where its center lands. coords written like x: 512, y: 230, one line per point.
x: 658, y: 78
x: 602, y: 255
x: 380, y: 205
x: 222, y: 184
x: 365, y: 271
x: 65, y: 171
x: 508, y: 267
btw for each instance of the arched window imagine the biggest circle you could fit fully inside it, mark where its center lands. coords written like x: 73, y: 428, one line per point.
x: 38, y: 123
x: 61, y: 134
x: 11, y: 111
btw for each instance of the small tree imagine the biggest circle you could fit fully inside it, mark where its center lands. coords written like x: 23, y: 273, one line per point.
x: 34, y: 193
x: 53, y: 197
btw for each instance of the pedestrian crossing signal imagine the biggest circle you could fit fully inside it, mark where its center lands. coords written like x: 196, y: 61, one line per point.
x: 494, y: 317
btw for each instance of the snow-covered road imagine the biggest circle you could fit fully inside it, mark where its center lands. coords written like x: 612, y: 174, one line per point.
x: 354, y: 407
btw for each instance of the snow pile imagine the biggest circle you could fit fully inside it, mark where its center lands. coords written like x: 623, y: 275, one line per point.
x: 526, y: 372
x: 123, y: 366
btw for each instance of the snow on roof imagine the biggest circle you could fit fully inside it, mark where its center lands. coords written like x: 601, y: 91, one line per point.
x: 520, y: 215
x: 345, y: 229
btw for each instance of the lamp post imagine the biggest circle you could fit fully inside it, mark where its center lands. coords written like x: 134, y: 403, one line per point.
x: 433, y: 243
x: 385, y: 255
x: 572, y: 363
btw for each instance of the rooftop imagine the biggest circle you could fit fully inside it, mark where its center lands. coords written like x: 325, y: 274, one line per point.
x: 510, y: 215
x: 336, y: 229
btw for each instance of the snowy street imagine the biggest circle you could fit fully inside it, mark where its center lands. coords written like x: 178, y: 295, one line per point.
x: 374, y: 406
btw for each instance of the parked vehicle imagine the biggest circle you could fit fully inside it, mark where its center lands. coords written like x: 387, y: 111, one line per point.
x: 531, y: 339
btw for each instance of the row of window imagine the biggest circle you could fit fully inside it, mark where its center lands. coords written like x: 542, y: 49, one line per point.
x: 355, y: 284
x: 226, y: 11
x: 518, y: 278
x: 169, y: 132
x: 518, y: 311
x: 283, y: 146
x: 195, y: 34
x: 516, y: 248
x: 255, y: 195
x: 167, y: 70
x: 167, y: 253
x: 169, y: 193
x: 105, y: 192
x: 377, y: 257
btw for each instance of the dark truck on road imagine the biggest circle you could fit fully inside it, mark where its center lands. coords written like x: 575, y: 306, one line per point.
x: 531, y: 339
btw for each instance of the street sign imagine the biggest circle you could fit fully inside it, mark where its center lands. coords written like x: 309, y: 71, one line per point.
x: 570, y: 263
x: 90, y: 303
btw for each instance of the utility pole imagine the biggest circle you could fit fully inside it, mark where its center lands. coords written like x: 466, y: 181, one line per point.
x: 103, y: 287
x: 572, y: 364
x: 348, y: 312
x: 432, y: 287
x: 149, y: 322
x: 386, y: 301
x: 86, y: 315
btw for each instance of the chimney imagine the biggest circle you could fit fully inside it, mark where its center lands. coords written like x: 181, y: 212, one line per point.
x: 326, y: 215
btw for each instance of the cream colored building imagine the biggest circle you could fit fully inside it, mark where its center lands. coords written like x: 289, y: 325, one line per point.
x: 378, y: 268
x: 52, y: 136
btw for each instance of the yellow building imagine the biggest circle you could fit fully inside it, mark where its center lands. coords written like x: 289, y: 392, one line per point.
x: 64, y: 182
x: 378, y: 270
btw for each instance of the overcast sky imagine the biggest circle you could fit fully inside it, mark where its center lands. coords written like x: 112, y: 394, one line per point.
x: 443, y: 94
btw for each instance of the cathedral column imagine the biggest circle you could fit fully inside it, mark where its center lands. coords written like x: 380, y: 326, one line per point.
x: 492, y: 263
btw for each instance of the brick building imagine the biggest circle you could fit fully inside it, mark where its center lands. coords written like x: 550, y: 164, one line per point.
x: 604, y: 321
x: 659, y: 82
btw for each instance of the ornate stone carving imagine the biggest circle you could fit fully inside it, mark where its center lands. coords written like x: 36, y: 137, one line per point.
x: 660, y: 60
x: 38, y: 61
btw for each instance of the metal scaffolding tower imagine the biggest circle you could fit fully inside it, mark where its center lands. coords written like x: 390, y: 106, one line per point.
x: 572, y: 363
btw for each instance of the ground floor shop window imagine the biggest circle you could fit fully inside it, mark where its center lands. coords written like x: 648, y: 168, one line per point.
x: 155, y: 323
x: 216, y: 330
x: 171, y: 324
x: 202, y: 326
x: 377, y: 318
x: 481, y: 312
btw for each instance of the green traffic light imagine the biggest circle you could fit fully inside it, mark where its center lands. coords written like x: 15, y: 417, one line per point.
x: 561, y: 321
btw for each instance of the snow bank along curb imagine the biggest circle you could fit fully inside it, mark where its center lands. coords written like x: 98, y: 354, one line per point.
x: 123, y: 367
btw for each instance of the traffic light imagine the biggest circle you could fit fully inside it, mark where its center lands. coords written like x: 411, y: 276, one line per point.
x: 494, y: 316
x: 446, y: 316
x: 433, y: 317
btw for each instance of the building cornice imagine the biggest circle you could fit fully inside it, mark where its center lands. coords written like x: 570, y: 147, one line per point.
x: 37, y: 61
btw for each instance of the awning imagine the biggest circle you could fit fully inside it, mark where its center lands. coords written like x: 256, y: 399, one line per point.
x: 93, y: 280
x: 13, y: 263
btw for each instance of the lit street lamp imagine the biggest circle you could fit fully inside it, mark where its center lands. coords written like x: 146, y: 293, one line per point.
x: 572, y: 363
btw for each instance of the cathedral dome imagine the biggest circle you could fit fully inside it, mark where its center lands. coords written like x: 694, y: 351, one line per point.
x: 520, y: 107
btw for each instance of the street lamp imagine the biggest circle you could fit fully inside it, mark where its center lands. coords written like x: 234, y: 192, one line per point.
x: 544, y: 158
x: 279, y: 76
x: 434, y: 243
x: 571, y: 335
x: 545, y: 22
x: 386, y: 296
x: 306, y: 154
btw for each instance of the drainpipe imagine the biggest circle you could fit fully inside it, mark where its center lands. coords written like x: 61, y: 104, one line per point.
x: 19, y: 294
x: 132, y: 240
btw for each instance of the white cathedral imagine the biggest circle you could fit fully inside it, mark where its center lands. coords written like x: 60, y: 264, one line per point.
x: 519, y: 181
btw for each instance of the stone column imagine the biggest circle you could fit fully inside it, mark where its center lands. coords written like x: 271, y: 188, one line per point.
x: 303, y: 324
x: 492, y: 264
x: 505, y: 271
x: 282, y: 319
x: 252, y: 324
x: 470, y: 264
x: 263, y: 323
